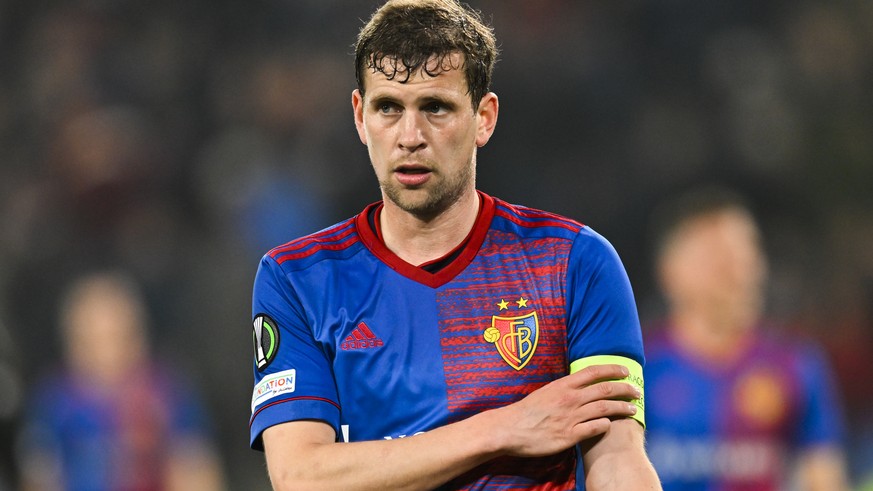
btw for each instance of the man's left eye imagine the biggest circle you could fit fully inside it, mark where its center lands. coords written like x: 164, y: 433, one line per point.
x: 433, y: 108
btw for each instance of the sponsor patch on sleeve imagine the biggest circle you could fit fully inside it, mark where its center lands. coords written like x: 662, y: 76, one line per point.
x: 274, y: 385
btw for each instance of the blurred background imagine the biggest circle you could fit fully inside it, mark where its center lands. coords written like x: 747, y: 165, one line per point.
x: 179, y: 141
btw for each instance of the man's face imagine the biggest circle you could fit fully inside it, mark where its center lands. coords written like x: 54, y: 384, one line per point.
x: 422, y: 136
x: 715, y: 264
x: 105, y: 335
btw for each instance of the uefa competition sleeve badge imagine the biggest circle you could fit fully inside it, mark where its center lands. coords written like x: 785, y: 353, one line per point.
x: 266, y: 339
x: 515, y: 337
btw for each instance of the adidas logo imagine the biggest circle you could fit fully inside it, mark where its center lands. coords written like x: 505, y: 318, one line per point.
x: 360, y: 338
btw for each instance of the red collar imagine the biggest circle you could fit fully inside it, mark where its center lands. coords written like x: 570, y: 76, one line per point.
x: 469, y: 247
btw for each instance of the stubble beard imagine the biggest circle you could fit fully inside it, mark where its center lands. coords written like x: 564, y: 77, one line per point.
x: 437, y: 198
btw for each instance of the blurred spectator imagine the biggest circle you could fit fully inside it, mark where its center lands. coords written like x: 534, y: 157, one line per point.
x: 731, y: 403
x: 111, y: 418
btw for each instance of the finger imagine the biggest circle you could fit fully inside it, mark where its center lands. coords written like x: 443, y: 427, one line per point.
x: 604, y: 408
x: 589, y: 429
x: 597, y: 373
x: 611, y: 390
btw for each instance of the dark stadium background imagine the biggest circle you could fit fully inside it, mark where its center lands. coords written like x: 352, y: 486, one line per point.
x: 181, y: 140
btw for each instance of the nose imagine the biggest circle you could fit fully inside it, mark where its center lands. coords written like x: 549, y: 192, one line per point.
x: 412, y: 136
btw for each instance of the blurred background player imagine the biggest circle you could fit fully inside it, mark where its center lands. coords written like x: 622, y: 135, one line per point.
x: 110, y: 419
x: 731, y: 405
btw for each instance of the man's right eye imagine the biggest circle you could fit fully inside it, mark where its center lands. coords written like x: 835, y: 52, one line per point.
x: 387, y: 107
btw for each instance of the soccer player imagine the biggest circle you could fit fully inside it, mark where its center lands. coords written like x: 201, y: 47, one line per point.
x: 112, y: 418
x: 444, y: 338
x: 731, y: 405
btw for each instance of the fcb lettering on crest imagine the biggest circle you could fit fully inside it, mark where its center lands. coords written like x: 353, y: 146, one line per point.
x: 514, y: 337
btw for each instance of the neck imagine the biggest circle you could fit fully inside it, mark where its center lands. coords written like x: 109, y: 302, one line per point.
x: 417, y: 239
x: 715, y: 339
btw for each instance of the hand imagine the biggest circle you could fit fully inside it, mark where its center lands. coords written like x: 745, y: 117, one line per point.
x: 566, y: 411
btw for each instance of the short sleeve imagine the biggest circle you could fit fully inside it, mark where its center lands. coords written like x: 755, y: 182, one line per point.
x: 292, y: 372
x: 602, y: 314
x: 821, y: 411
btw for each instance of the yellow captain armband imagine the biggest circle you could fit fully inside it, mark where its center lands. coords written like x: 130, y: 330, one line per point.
x: 635, y: 377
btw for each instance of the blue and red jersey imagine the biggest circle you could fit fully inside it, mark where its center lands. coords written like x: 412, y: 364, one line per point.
x: 349, y: 334
x: 112, y: 438
x: 736, y: 426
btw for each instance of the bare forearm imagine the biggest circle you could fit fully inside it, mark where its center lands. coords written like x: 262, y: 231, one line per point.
x: 620, y: 473
x: 618, y: 461
x: 304, y: 454
x: 422, y: 461
x: 822, y: 469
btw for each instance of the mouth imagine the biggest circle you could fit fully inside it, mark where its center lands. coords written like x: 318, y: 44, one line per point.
x: 412, y: 169
x: 412, y: 174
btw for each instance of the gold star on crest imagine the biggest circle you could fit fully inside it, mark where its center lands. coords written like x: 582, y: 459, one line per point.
x: 522, y: 302
x: 503, y: 304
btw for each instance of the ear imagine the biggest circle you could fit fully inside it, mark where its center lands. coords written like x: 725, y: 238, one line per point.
x: 358, y: 109
x: 487, y: 117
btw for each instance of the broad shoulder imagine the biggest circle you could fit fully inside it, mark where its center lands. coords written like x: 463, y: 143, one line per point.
x: 332, y: 241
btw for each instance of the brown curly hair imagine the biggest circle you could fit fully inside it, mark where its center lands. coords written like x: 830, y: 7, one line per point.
x: 405, y: 36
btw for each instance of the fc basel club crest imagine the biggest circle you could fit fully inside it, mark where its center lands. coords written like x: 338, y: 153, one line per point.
x: 266, y: 338
x: 514, y: 337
